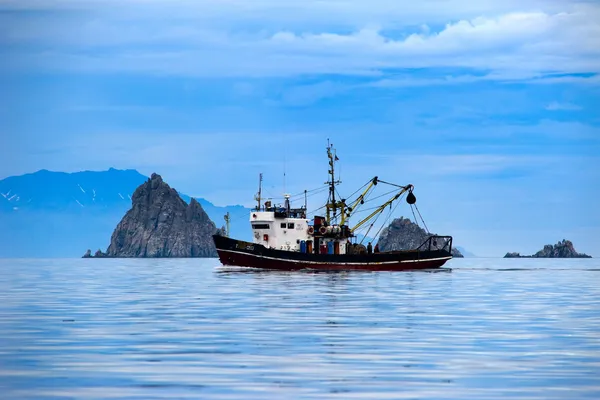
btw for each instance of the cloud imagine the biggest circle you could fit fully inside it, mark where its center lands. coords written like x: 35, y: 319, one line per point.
x: 303, y: 12
x: 411, y: 81
x: 556, y: 106
x: 527, y: 42
x: 268, y: 39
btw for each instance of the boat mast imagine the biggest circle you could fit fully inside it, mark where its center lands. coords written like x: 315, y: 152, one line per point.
x: 305, y: 200
x: 258, y: 195
x: 227, y: 218
x: 332, y: 204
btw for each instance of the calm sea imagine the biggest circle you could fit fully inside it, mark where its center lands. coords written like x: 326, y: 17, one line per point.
x: 190, y: 329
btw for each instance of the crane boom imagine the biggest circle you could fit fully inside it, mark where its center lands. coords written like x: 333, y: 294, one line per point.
x: 382, y: 207
x: 363, y: 194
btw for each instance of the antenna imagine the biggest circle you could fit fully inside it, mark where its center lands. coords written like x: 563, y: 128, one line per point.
x: 227, y: 220
x: 259, y: 194
x: 284, y: 161
x: 332, y: 204
x: 305, y: 200
x: 284, y: 165
x: 287, y: 203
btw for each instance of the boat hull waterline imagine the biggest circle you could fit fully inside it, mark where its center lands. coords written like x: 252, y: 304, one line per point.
x: 244, y: 254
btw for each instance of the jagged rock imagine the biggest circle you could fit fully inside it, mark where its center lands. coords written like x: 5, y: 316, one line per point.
x: 161, y: 224
x: 403, y: 234
x: 456, y: 253
x: 513, y: 255
x: 99, y: 254
x: 563, y: 249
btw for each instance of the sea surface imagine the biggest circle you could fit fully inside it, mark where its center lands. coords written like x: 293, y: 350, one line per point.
x: 191, y: 329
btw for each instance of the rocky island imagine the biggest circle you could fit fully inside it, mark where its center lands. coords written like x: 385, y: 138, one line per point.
x: 403, y: 234
x: 161, y: 224
x: 563, y: 249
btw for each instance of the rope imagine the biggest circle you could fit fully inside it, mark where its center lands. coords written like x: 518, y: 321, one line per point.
x: 414, y: 216
x: 381, y: 195
x: 312, y: 192
x: 360, y: 188
x: 388, y: 217
x: 391, y: 184
x: 365, y: 235
x: 365, y: 200
x: 308, y: 191
x: 373, y: 223
x: 240, y: 216
x: 314, y: 211
x: 422, y: 220
x: 354, y: 213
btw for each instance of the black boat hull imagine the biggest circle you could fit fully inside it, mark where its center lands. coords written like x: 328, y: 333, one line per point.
x: 244, y: 254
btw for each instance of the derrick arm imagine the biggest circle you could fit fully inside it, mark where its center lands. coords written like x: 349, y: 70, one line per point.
x: 363, y: 194
x: 382, y: 207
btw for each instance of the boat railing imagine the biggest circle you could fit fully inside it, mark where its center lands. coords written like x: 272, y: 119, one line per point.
x: 436, y: 243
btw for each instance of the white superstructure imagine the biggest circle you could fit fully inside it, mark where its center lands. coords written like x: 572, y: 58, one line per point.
x: 285, y: 228
x: 278, y: 233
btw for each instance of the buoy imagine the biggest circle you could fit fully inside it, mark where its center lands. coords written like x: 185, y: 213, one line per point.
x: 311, y: 230
x: 322, y: 230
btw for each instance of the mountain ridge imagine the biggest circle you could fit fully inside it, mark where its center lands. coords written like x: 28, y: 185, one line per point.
x: 81, y: 211
x: 161, y: 224
x: 71, y: 211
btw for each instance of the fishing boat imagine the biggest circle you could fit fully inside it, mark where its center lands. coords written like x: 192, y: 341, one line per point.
x: 284, y: 238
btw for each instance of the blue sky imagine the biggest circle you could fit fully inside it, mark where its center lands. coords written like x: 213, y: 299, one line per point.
x: 489, y: 108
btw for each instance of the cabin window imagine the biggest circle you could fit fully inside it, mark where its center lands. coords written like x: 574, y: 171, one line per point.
x: 290, y: 225
x: 283, y: 225
x: 260, y: 226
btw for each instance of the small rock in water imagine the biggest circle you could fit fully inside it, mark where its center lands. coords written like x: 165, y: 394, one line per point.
x: 563, y: 249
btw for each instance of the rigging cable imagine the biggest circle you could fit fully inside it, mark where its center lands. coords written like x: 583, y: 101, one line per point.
x: 414, y: 216
x: 373, y: 199
x: 371, y: 226
x: 391, y: 184
x: 388, y: 217
x: 384, y: 222
x: 298, y: 195
x: 363, y: 201
x: 314, y: 211
x: 360, y: 188
x: 309, y: 191
x: 247, y: 214
x: 422, y: 220
x: 380, y: 196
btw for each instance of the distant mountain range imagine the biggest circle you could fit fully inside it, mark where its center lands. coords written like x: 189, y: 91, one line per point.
x: 464, y: 252
x: 57, y: 214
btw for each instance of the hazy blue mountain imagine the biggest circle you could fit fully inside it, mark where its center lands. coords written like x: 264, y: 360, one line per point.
x: 464, y: 252
x: 239, y: 217
x: 45, y: 190
x: 5, y: 204
x: 57, y: 214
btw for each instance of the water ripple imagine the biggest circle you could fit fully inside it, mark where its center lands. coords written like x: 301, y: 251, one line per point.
x: 153, y: 329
